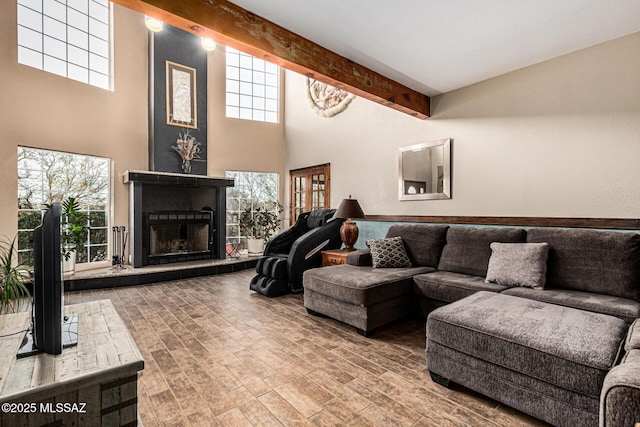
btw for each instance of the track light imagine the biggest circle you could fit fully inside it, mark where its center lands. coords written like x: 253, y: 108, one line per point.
x: 207, y: 44
x: 153, y: 24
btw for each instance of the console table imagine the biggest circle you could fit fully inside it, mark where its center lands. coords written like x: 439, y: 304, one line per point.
x: 91, y: 384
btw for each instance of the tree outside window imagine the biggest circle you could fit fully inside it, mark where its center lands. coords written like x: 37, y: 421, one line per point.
x: 46, y: 176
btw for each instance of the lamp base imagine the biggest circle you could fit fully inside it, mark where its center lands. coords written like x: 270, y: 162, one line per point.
x: 349, y: 234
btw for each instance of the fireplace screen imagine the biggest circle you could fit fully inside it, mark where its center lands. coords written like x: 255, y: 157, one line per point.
x: 178, y: 236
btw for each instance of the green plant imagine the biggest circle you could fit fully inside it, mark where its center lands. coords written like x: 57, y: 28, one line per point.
x: 12, y: 289
x: 260, y: 223
x: 74, y: 226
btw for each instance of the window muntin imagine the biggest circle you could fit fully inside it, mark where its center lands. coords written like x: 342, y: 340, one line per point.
x: 251, y: 87
x: 46, y: 176
x: 252, y: 190
x: 71, y: 38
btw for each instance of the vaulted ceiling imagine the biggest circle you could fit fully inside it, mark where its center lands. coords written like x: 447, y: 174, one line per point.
x: 401, y: 53
x: 435, y: 46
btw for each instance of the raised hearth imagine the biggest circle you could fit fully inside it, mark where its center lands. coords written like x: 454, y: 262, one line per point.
x: 163, y: 208
x: 118, y: 277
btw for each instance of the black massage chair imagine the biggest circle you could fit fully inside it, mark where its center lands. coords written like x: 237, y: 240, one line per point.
x: 295, y: 250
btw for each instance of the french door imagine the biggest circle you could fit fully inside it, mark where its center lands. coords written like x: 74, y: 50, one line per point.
x: 309, y: 189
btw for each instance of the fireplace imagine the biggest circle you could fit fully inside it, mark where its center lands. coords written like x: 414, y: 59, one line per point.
x: 177, y: 236
x: 176, y: 217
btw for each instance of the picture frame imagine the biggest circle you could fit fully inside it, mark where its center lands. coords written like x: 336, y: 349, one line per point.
x: 181, y: 96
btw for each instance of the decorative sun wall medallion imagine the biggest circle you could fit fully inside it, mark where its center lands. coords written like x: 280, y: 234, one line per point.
x: 326, y: 100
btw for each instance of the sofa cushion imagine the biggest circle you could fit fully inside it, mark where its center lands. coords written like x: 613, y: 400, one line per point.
x: 361, y: 285
x: 633, y: 337
x: 424, y: 243
x: 467, y: 250
x: 623, y: 308
x: 604, y: 262
x: 632, y: 356
x: 359, y: 257
x: 518, y: 264
x: 448, y: 287
x: 388, y: 253
x: 571, y: 348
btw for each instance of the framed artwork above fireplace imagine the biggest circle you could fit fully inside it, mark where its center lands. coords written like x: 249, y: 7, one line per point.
x: 181, y: 96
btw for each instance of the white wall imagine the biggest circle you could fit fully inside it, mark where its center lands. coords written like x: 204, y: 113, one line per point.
x: 557, y: 139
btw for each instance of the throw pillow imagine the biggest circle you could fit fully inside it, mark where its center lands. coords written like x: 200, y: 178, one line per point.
x: 388, y: 253
x: 518, y: 264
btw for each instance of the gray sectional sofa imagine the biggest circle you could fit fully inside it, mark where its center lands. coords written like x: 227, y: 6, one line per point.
x: 561, y: 350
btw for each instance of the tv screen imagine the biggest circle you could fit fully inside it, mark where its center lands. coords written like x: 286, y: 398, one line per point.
x: 48, y: 324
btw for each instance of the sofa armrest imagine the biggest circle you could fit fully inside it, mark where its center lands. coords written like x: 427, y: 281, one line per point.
x: 620, y: 397
x: 360, y: 258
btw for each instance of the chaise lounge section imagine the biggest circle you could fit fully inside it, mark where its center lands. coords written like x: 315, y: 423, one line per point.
x: 366, y: 297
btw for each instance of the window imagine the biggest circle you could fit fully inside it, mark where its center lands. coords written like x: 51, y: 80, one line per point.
x: 310, y: 189
x: 252, y: 87
x: 71, y: 38
x: 50, y: 177
x: 252, y: 190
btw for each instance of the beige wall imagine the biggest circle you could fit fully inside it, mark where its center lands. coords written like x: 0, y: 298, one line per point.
x: 42, y: 110
x: 236, y: 144
x: 559, y: 139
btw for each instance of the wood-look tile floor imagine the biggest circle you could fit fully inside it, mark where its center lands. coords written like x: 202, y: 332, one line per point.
x: 216, y: 353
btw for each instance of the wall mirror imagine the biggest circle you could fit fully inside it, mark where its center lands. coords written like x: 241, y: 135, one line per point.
x: 424, y: 171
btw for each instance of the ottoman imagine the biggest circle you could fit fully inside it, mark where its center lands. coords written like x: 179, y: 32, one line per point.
x: 546, y: 360
x: 363, y: 297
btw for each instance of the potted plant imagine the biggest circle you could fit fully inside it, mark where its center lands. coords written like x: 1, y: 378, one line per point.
x: 74, y: 232
x: 12, y: 288
x: 258, y: 226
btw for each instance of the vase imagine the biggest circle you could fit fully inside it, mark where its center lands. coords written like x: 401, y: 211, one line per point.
x: 69, y: 265
x: 255, y: 246
x: 186, y: 166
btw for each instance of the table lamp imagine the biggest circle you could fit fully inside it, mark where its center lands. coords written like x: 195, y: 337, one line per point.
x: 349, y: 208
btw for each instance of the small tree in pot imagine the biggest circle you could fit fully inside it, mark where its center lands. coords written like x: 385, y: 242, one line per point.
x: 74, y: 230
x: 258, y: 226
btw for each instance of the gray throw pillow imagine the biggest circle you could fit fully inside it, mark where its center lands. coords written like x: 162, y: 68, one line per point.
x: 388, y: 253
x: 518, y: 264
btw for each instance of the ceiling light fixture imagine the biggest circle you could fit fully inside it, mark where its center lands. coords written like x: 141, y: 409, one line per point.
x: 207, y: 44
x: 153, y: 24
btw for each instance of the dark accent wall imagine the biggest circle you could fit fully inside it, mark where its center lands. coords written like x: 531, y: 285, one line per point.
x: 175, y: 45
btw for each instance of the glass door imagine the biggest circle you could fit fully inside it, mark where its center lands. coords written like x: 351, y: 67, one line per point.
x: 309, y: 190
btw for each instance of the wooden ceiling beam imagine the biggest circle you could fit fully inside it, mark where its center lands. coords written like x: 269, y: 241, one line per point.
x: 231, y: 25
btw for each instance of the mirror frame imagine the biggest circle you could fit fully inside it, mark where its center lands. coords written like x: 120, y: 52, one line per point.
x: 446, y: 184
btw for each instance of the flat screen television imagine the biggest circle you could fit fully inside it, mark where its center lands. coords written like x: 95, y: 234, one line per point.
x: 50, y: 330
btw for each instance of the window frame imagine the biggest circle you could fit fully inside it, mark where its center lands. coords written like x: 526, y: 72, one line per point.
x: 90, y: 211
x: 252, y: 88
x: 72, y: 40
x: 233, y: 215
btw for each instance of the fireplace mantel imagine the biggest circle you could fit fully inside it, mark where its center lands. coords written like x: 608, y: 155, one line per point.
x: 176, y: 179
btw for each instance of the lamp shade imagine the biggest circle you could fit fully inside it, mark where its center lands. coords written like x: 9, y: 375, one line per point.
x: 349, y: 208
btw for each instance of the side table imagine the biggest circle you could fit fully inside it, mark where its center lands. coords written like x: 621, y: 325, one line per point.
x: 334, y: 257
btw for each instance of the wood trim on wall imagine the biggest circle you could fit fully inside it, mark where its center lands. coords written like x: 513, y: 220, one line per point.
x: 231, y: 25
x: 604, y: 223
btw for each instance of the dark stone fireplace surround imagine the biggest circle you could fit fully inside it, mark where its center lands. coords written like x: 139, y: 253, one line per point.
x: 161, y: 191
